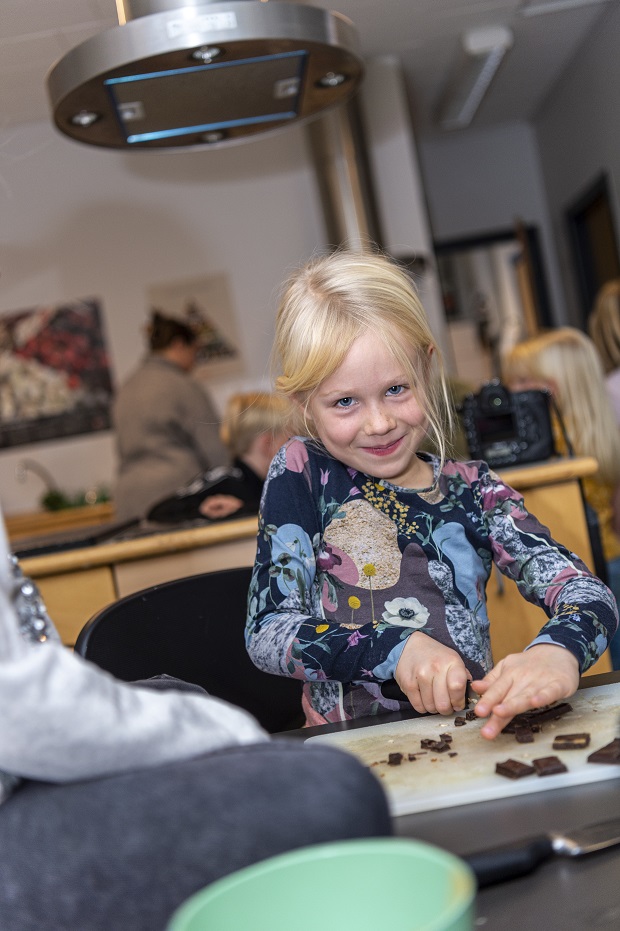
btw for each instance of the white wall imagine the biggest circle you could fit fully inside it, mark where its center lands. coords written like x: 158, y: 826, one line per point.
x: 579, y: 134
x: 480, y: 181
x: 76, y: 222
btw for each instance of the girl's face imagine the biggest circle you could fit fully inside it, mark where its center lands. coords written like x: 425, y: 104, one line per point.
x: 367, y: 416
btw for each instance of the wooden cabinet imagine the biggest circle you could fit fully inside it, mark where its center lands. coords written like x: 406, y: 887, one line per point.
x: 551, y: 492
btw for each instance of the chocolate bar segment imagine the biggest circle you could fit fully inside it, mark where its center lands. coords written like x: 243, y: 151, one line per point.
x: 571, y: 741
x: 538, y: 716
x: 549, y: 766
x: 514, y: 769
x: 610, y: 753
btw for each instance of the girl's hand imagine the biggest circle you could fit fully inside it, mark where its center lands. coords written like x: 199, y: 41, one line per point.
x: 217, y: 506
x: 432, y: 676
x: 522, y: 681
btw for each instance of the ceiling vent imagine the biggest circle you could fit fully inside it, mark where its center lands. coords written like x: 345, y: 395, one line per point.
x: 182, y: 73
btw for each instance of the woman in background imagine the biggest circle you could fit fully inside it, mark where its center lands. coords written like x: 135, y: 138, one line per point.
x: 604, y: 327
x: 566, y: 362
x: 253, y: 430
x: 167, y: 429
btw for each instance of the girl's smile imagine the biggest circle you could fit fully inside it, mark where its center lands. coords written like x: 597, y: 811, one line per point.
x: 368, y: 416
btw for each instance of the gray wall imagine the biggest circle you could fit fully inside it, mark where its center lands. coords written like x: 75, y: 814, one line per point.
x: 480, y: 181
x: 579, y: 135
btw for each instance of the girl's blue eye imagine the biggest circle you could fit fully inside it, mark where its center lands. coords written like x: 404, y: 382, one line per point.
x: 344, y: 402
x: 395, y: 390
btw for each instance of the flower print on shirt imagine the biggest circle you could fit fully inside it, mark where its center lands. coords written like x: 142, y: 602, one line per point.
x: 405, y: 612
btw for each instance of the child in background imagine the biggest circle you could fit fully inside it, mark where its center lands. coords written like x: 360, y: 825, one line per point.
x: 604, y: 328
x: 373, y: 556
x: 253, y: 429
x: 566, y: 362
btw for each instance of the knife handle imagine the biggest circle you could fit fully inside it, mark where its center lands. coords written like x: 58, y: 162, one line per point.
x: 502, y: 863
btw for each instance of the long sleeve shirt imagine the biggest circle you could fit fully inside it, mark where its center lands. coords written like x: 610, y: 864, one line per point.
x: 63, y: 719
x: 348, y: 566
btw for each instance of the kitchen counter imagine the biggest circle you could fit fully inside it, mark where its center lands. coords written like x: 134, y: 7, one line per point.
x: 78, y: 580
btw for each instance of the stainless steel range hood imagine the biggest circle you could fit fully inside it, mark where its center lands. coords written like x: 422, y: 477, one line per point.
x: 181, y: 73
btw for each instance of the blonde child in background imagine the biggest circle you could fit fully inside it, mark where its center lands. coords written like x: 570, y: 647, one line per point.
x: 604, y: 328
x: 373, y: 556
x: 253, y: 429
x: 566, y: 362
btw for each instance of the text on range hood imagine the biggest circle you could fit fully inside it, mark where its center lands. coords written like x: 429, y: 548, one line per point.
x: 180, y: 73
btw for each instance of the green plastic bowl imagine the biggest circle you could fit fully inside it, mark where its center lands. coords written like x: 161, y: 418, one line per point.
x: 368, y: 885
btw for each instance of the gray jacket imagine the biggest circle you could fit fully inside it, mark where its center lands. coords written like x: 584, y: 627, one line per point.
x: 167, y: 431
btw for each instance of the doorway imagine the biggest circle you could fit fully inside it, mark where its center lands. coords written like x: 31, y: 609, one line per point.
x: 494, y: 294
x: 594, y: 243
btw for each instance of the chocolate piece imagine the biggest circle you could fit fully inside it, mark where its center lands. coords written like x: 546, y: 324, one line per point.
x: 459, y: 721
x: 453, y: 753
x: 470, y: 715
x: 549, y: 766
x: 610, y: 753
x: 524, y: 735
x: 395, y: 759
x: 437, y: 746
x: 514, y: 769
x: 538, y: 716
x: 412, y: 757
x: 571, y: 742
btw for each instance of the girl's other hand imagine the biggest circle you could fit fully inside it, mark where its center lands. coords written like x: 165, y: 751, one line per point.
x: 523, y: 681
x: 218, y: 506
x: 432, y: 676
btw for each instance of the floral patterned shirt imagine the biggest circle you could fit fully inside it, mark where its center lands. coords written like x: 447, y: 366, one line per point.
x: 348, y: 566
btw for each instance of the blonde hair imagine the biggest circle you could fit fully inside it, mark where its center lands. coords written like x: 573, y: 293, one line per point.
x: 604, y: 324
x: 335, y: 298
x: 250, y: 414
x: 566, y: 360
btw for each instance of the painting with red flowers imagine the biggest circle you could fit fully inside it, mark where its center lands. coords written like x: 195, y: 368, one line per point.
x: 54, y: 373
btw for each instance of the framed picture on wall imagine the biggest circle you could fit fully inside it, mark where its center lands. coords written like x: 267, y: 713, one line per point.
x: 54, y: 373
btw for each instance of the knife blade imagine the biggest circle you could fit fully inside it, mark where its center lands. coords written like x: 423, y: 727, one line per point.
x: 499, y: 864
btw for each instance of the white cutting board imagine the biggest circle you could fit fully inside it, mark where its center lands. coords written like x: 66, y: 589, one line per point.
x: 436, y: 780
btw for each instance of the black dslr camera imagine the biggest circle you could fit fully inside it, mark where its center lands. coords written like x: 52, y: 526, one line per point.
x: 508, y: 427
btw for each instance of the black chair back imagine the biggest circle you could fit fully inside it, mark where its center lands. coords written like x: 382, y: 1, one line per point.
x: 193, y: 629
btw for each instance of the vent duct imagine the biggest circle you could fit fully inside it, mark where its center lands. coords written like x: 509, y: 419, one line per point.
x: 183, y: 73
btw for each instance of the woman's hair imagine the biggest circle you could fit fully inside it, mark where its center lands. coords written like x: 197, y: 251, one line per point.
x: 333, y: 299
x: 604, y: 324
x: 163, y: 331
x: 250, y: 414
x: 566, y: 360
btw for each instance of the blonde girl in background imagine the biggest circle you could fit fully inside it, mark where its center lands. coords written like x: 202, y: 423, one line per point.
x: 604, y: 328
x: 567, y: 362
x: 373, y: 555
x: 254, y: 427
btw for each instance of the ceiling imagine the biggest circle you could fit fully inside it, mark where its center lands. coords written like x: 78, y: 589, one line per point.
x: 424, y: 34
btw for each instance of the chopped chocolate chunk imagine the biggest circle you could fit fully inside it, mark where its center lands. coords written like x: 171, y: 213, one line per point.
x: 514, y: 769
x: 524, y: 735
x: 453, y: 753
x: 610, y: 753
x: 549, y: 766
x: 459, y: 721
x: 470, y: 715
x: 447, y: 738
x: 538, y: 716
x: 395, y: 759
x: 412, y: 757
x: 437, y: 746
x: 571, y: 741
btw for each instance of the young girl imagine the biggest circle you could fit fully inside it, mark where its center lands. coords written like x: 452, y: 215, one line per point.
x: 566, y: 362
x: 372, y: 556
